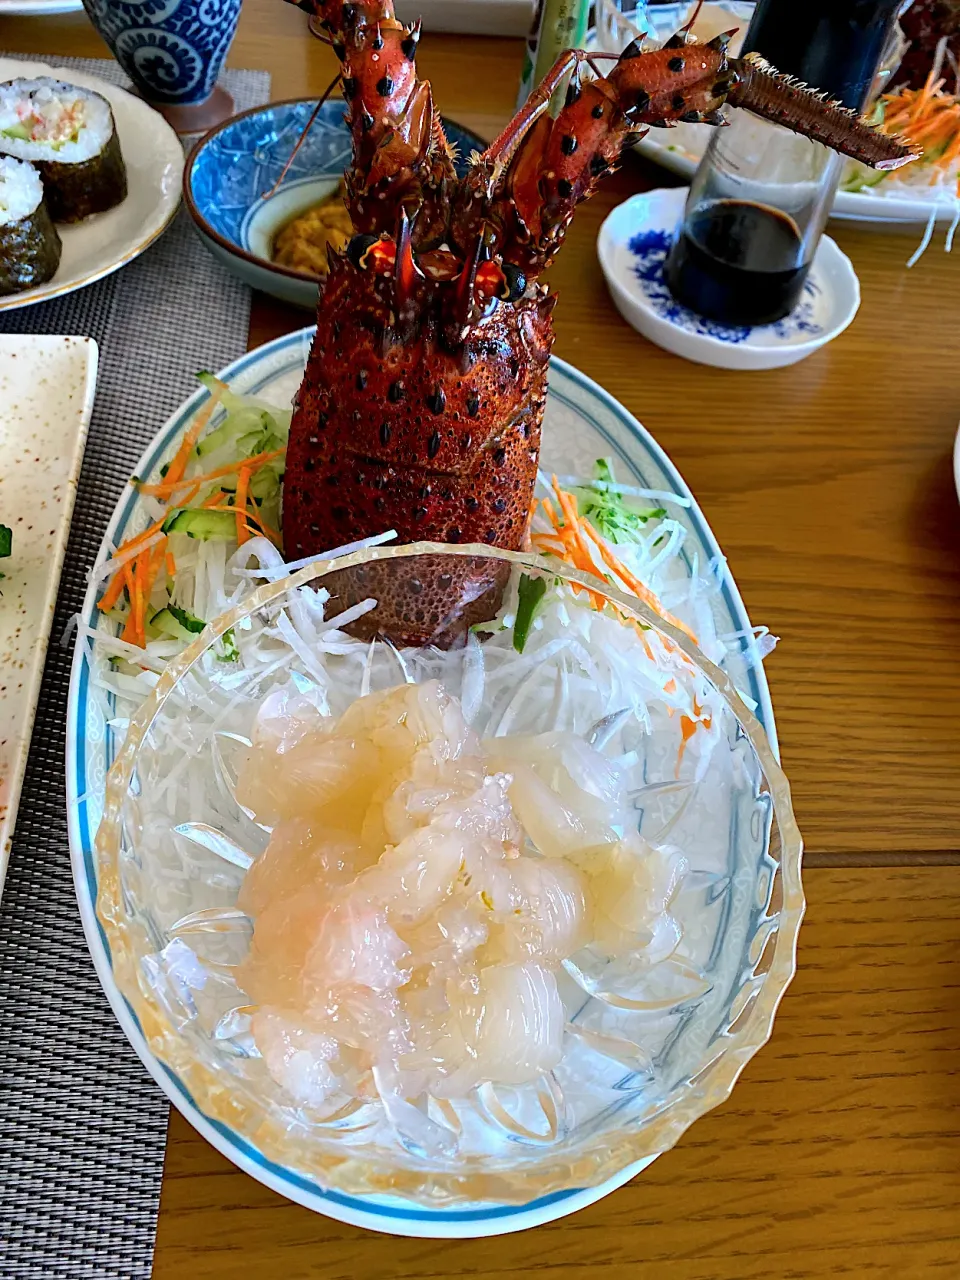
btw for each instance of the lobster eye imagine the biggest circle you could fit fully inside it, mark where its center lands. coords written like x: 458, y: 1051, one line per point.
x: 358, y: 248
x: 514, y: 283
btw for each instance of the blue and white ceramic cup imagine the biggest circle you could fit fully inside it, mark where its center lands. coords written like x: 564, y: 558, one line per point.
x: 173, y: 51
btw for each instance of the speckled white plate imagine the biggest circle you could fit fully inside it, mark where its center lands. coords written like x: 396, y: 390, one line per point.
x: 46, y: 397
x: 39, y: 8
x: 104, y: 242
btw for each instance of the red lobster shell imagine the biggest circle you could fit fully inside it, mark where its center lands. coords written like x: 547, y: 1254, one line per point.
x: 423, y: 397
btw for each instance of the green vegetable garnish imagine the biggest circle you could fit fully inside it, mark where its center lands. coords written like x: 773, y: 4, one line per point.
x: 6, y: 541
x: 187, y: 620
x: 532, y: 591
x: 607, y: 511
x: 228, y: 645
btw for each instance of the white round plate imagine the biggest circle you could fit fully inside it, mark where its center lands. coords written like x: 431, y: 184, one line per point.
x: 956, y: 462
x: 107, y: 241
x: 38, y: 8
x: 632, y: 246
x: 582, y: 423
x: 682, y: 157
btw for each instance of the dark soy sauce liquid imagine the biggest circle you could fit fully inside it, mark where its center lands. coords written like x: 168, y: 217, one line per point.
x: 738, y: 262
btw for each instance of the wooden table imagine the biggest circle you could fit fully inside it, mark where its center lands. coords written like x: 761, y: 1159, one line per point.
x: 829, y: 486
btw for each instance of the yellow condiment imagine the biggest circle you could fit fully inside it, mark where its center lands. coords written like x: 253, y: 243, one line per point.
x: 302, y: 243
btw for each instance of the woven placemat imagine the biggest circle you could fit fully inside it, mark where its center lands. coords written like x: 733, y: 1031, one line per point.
x: 82, y: 1126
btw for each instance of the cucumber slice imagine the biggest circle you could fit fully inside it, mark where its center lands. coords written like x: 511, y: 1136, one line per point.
x: 176, y: 622
x: 204, y: 525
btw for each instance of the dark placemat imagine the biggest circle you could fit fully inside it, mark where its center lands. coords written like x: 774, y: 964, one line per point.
x: 82, y: 1125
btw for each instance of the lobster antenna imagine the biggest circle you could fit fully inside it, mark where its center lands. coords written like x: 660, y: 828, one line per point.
x: 688, y: 25
x: 303, y: 135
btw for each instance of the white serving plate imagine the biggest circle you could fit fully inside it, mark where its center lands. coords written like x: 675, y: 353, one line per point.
x: 582, y: 423
x: 850, y: 206
x: 107, y: 241
x: 46, y: 397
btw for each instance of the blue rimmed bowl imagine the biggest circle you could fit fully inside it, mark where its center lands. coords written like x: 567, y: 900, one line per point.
x: 231, y: 170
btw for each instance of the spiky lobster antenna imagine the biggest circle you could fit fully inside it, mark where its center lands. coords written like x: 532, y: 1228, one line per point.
x: 760, y: 88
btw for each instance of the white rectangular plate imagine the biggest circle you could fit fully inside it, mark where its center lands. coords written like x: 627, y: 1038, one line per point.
x: 47, y: 386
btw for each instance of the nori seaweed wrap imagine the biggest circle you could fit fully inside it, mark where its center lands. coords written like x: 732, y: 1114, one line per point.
x: 29, y: 243
x: 68, y: 132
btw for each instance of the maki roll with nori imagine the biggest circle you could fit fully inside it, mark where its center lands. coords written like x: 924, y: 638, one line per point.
x: 68, y: 132
x: 29, y: 243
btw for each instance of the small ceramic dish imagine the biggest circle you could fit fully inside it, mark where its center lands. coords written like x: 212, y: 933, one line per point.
x: 633, y: 245
x: 231, y: 171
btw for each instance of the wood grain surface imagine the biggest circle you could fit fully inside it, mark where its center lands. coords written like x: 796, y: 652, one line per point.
x: 829, y: 487
x: 838, y: 1154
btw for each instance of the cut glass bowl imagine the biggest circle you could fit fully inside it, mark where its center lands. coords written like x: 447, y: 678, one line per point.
x: 653, y: 1039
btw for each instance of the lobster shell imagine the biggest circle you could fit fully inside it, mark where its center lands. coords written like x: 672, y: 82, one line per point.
x: 421, y: 406
x: 412, y: 436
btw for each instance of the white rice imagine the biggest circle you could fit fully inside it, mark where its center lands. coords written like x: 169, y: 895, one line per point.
x: 20, y: 190
x: 49, y: 120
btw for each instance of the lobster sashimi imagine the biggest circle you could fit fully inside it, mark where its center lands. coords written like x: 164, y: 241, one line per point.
x: 425, y: 388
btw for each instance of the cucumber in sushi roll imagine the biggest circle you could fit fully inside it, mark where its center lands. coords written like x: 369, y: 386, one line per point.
x: 29, y: 243
x: 68, y: 132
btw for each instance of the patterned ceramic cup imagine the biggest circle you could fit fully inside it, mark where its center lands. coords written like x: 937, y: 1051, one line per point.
x: 173, y: 51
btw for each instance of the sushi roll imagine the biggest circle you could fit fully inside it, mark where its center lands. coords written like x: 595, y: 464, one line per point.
x: 29, y: 243
x: 68, y: 132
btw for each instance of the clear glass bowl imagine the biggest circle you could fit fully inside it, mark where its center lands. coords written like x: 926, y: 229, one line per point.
x: 653, y: 1039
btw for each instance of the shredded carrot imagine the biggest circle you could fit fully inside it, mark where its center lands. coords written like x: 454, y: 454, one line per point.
x: 112, y: 593
x: 240, y: 502
x: 154, y: 560
x: 132, y: 628
x: 635, y: 585
x: 171, y: 564
x: 166, y: 488
x: 568, y: 506
x: 688, y: 727
x: 178, y: 464
x: 140, y: 539
x: 929, y: 117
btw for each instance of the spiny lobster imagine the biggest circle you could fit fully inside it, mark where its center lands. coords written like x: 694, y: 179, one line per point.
x: 424, y: 392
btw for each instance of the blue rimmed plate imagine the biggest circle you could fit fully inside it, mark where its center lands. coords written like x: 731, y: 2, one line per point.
x: 582, y: 423
x: 231, y: 170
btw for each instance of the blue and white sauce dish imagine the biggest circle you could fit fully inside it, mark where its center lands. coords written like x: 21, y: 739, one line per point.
x: 173, y: 51
x: 231, y: 172
x: 633, y: 245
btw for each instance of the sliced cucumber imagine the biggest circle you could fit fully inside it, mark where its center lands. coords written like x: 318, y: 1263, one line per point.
x: 178, y: 623
x: 17, y: 130
x: 203, y: 525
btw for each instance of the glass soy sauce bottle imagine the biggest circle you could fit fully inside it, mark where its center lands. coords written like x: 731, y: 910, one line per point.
x: 761, y: 196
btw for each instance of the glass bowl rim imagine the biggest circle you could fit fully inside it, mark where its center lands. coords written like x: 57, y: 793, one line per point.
x: 354, y: 1172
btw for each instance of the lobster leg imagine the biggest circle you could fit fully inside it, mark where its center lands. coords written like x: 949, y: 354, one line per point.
x: 401, y: 158
x: 759, y: 88
x: 540, y: 169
